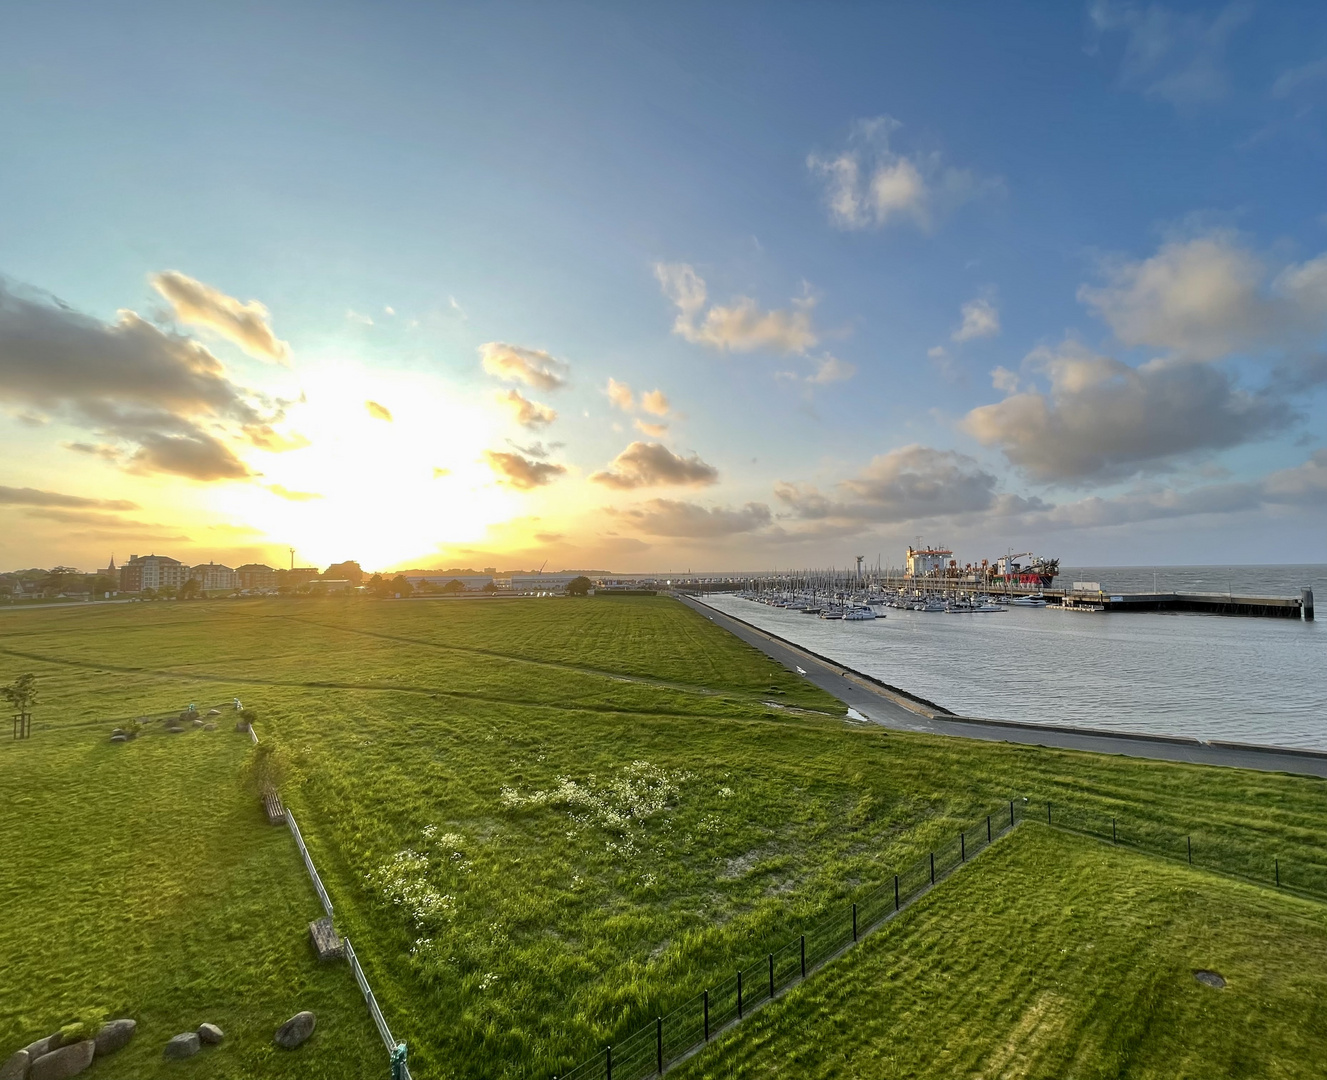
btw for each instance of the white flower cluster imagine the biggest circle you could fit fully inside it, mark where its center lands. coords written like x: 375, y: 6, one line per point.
x: 404, y: 882
x: 638, y: 792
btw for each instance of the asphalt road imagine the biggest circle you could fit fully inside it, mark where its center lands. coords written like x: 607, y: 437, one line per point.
x: 895, y: 709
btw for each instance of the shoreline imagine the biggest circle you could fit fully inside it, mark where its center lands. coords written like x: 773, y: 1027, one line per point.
x: 894, y: 707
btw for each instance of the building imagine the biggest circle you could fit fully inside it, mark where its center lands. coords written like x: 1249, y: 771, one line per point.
x: 155, y: 572
x: 472, y: 582
x: 213, y: 577
x: 549, y: 583
x: 298, y: 575
x: 111, y: 573
x: 930, y: 562
x: 256, y: 577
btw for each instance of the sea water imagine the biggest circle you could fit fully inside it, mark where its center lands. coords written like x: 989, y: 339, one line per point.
x: 1203, y: 676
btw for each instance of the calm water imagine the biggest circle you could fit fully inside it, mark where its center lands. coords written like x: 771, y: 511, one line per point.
x: 1209, y: 677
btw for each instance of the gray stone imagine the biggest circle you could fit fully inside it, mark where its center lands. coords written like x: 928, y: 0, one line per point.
x: 210, y: 1033
x: 1214, y: 979
x: 119, y: 738
x: 115, y: 1036
x: 16, y: 1066
x: 213, y: 712
x: 199, y: 721
x: 209, y: 727
x: 183, y: 1046
x: 242, y: 725
x: 295, y: 1030
x: 63, y: 1063
x: 43, y: 1046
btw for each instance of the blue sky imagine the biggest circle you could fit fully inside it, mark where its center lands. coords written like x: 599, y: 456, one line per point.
x: 1029, y: 275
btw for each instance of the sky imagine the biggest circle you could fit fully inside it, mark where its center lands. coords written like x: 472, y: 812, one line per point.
x: 669, y: 287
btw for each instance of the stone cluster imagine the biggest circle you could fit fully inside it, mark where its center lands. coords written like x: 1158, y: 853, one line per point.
x: 57, y: 1057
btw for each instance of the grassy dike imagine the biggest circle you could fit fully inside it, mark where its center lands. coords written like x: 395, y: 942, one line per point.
x: 545, y: 821
x: 1058, y: 957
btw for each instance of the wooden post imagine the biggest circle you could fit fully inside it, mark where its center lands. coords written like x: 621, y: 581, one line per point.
x: 988, y: 828
x: 658, y: 1042
x: 1189, y: 841
x: 1114, y: 836
x: 962, y: 847
x: 1277, y: 863
x: 608, y: 1062
x: 933, y: 868
x: 1011, y: 813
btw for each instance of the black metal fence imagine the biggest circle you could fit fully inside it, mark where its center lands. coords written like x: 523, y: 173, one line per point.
x: 668, y: 1039
x: 1281, y: 863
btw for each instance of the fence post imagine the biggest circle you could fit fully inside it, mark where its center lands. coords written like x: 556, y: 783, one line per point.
x: 658, y: 1042
x: 1277, y: 863
x: 988, y: 828
x: 896, y: 892
x: 1189, y: 841
x: 962, y: 847
x: 1048, y: 813
x: 803, y: 956
x: 933, y: 868
x: 739, y: 995
x: 1114, y: 836
x: 608, y: 1062
x: 707, y: 1016
x: 1011, y: 813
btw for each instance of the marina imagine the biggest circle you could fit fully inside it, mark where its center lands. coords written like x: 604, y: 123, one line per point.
x: 1163, y: 671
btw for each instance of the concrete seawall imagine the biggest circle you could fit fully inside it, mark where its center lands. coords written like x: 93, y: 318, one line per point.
x: 892, y: 707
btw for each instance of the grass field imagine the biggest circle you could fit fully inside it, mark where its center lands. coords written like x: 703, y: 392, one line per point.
x: 542, y: 821
x: 1056, y: 957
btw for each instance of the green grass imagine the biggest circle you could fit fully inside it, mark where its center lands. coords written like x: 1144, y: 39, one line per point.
x: 138, y: 881
x: 1057, y: 957
x: 544, y: 822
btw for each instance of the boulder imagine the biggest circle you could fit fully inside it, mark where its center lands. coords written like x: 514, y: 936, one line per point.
x: 210, y: 1033
x: 115, y: 1036
x: 213, y: 712
x: 16, y: 1066
x: 63, y: 1063
x: 43, y: 1046
x: 242, y: 725
x: 120, y: 738
x: 199, y: 721
x: 209, y: 727
x: 184, y: 1045
x: 295, y: 1030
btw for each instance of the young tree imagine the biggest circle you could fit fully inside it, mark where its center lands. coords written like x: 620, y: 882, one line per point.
x: 454, y: 587
x: 22, y: 695
x: 579, y: 586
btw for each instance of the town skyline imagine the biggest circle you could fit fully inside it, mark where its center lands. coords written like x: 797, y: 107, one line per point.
x: 733, y: 291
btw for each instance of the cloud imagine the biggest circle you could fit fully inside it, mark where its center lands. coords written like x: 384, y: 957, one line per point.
x: 163, y: 396
x: 520, y: 472
x: 910, y: 483
x: 1291, y: 81
x: 645, y: 464
x: 11, y: 496
x: 655, y: 403
x: 378, y: 412
x: 439, y: 471
x: 620, y: 396
x: 830, y: 369
x: 668, y: 517
x: 654, y: 431
x: 533, y: 367
x: 1207, y: 297
x: 535, y: 449
x: 1102, y: 420
x: 1178, y: 58
x: 356, y: 317
x: 869, y: 185
x: 245, y: 325
x: 980, y: 319
x: 738, y: 327
x: 525, y: 412
x: 293, y: 496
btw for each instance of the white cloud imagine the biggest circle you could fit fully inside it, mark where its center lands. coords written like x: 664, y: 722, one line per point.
x: 655, y: 403
x: 830, y: 369
x: 1178, y: 58
x: 870, y: 185
x: 980, y: 319
x: 621, y: 396
x: 654, y: 431
x: 687, y: 520
x: 1102, y: 420
x: 741, y: 326
x: 525, y: 412
x: 1290, y: 82
x: 1207, y: 297
x: 356, y: 317
x: 514, y: 363
x: 520, y: 472
x: 245, y: 325
x: 645, y: 464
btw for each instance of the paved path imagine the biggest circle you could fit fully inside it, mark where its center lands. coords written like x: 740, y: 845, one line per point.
x: 895, y: 709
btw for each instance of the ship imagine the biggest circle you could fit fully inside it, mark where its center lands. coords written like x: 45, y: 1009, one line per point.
x: 1023, y: 570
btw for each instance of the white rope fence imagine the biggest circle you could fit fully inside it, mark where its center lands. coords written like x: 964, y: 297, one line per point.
x: 379, y: 1021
